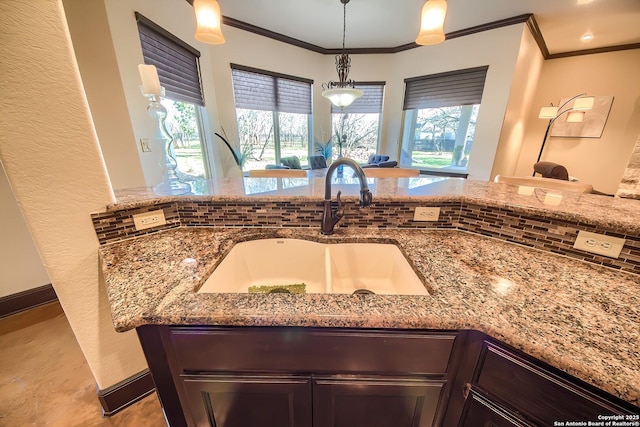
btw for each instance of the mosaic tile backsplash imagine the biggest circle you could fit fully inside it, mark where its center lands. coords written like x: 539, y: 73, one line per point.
x: 513, y: 225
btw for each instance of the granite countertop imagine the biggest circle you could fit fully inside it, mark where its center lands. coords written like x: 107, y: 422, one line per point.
x: 608, y: 212
x: 579, y: 317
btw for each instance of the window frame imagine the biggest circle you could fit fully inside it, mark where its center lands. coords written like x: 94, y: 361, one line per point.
x: 276, y: 111
x: 459, y: 88
x: 367, y: 109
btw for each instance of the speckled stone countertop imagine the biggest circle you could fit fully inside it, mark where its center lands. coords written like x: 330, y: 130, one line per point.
x: 609, y: 212
x: 576, y: 316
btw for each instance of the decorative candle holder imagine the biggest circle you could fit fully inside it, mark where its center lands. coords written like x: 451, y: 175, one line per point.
x: 171, y: 183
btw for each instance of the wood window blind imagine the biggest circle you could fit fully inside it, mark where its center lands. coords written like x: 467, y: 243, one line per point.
x: 177, y: 62
x: 462, y: 87
x: 369, y: 102
x: 265, y: 90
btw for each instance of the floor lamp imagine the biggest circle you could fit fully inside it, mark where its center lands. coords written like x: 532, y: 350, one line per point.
x: 575, y: 114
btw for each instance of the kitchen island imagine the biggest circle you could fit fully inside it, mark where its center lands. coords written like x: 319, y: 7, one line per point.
x: 576, y: 316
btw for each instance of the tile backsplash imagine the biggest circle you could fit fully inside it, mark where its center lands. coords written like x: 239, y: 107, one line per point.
x: 513, y: 225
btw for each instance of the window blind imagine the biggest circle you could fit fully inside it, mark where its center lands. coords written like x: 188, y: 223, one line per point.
x: 264, y: 90
x: 462, y: 87
x: 176, y: 61
x: 369, y: 102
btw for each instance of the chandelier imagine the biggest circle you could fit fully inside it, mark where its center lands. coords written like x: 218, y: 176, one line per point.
x: 343, y: 92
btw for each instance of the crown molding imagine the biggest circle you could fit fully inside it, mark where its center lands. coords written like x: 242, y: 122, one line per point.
x: 527, y: 18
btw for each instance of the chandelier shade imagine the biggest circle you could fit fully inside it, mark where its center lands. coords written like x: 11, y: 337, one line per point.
x: 432, y: 22
x: 343, y: 92
x: 209, y: 21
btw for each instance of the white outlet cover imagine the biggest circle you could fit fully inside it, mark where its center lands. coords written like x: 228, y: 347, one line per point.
x: 599, y: 244
x: 426, y: 214
x: 149, y: 219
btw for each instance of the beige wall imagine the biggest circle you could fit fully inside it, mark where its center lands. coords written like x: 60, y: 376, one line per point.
x: 178, y: 18
x: 20, y: 264
x: 523, y: 90
x: 99, y: 70
x: 597, y: 161
x: 53, y: 161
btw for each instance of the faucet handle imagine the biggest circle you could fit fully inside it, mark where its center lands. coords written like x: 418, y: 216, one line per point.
x: 340, y: 211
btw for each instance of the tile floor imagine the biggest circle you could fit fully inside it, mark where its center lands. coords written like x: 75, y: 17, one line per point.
x: 45, y: 380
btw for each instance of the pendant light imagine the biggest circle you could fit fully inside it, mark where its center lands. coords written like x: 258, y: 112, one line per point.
x: 342, y: 93
x: 209, y: 20
x: 432, y: 22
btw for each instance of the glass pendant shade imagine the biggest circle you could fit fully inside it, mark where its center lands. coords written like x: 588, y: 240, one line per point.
x: 432, y: 22
x: 209, y: 20
x: 342, y: 97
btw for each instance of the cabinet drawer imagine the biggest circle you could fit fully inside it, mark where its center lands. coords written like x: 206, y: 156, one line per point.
x: 537, y: 393
x: 311, y: 350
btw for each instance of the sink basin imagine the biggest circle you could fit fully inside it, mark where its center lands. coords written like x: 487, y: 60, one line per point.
x: 343, y: 268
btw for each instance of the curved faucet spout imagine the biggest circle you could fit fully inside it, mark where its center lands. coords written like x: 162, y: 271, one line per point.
x: 330, y: 215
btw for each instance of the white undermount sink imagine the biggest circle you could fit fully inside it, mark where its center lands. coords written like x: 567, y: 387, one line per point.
x: 342, y: 268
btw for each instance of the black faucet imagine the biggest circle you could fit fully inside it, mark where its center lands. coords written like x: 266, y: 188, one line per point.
x: 331, y: 216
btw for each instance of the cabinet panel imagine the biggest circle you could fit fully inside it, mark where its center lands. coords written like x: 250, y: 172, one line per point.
x: 248, y: 401
x: 379, y: 402
x: 300, y: 350
x: 537, y: 392
x: 482, y: 413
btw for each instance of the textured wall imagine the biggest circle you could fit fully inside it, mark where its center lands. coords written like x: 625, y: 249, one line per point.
x: 52, y: 159
x: 20, y: 263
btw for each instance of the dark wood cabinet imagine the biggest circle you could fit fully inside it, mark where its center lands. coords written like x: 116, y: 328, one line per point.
x: 375, y: 402
x: 510, y: 388
x: 480, y: 412
x: 248, y: 400
x: 299, y: 377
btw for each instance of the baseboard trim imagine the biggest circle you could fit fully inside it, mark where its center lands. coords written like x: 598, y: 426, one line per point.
x: 31, y: 298
x: 127, y: 392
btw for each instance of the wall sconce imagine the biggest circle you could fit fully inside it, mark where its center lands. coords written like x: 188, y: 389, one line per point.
x: 208, y: 20
x: 432, y: 22
x: 575, y: 114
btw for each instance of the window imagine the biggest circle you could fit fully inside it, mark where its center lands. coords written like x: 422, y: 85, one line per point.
x: 273, y: 112
x: 179, y: 73
x: 440, y: 114
x: 356, y: 128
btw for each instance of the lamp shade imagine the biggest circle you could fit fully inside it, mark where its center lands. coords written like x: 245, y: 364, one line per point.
x: 548, y: 112
x: 585, y: 103
x: 209, y: 20
x: 150, y: 80
x: 342, y: 97
x: 431, y: 23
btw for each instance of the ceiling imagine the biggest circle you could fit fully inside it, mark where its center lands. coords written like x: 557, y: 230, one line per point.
x: 392, y: 23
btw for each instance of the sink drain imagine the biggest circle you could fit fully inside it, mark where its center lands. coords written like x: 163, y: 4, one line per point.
x: 363, y: 292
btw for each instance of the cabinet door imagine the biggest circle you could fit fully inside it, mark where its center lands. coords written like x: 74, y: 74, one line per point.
x: 249, y: 401
x: 374, y: 402
x: 482, y: 413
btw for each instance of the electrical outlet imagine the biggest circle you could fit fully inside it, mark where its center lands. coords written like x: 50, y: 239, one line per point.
x: 145, y: 145
x: 149, y: 219
x: 599, y: 244
x: 426, y: 214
